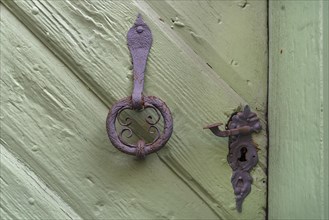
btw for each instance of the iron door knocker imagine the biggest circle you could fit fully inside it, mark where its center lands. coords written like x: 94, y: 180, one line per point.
x: 242, y: 155
x: 139, y: 39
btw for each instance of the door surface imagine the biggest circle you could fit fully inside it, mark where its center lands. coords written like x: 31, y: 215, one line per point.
x: 64, y: 63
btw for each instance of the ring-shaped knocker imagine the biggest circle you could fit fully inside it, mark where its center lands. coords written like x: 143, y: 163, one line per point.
x: 139, y: 43
x: 140, y: 149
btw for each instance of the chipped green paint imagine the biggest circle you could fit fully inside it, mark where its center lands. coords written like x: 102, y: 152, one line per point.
x: 65, y: 75
x: 298, y: 110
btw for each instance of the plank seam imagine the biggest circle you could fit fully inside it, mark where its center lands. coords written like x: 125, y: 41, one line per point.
x: 56, y: 53
x: 180, y: 43
x: 267, y: 105
x: 6, y: 155
x: 193, y: 187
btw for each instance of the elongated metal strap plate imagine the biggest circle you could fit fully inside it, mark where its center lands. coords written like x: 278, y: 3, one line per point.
x: 139, y: 39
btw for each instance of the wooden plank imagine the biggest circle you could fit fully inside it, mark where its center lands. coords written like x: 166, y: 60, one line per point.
x: 325, y: 115
x: 298, y: 163
x: 53, y: 124
x: 230, y: 36
x: 89, y: 38
x: 25, y: 196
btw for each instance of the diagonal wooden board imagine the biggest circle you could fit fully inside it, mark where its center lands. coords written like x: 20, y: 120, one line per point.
x: 230, y: 36
x: 25, y: 196
x: 54, y: 126
x: 84, y: 36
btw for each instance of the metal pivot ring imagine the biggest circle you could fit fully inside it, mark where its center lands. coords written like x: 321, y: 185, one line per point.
x: 140, y: 149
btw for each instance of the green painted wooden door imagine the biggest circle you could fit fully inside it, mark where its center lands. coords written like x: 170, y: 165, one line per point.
x: 298, y: 110
x: 64, y: 63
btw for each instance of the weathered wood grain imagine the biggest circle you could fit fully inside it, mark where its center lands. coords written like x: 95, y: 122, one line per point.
x: 25, y: 196
x: 325, y: 115
x: 89, y: 38
x: 298, y: 110
x: 55, y: 125
x: 230, y: 36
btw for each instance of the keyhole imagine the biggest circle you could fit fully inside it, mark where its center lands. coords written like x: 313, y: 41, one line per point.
x: 243, y: 152
x: 239, y: 183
